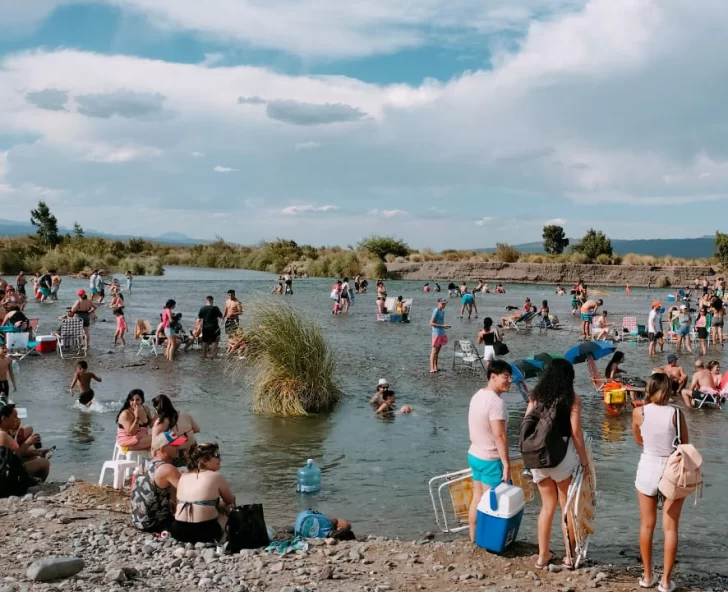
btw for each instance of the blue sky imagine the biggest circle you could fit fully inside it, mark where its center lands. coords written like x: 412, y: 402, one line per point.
x: 449, y: 123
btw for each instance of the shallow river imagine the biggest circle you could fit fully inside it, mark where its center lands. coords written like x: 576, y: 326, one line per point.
x: 375, y: 472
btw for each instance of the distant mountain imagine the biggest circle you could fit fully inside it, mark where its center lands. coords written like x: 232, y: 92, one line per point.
x: 14, y: 228
x: 691, y: 248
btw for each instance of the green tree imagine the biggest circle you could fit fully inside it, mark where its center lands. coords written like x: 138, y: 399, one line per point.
x: 593, y: 244
x: 135, y: 245
x: 554, y: 239
x: 721, y: 248
x: 47, y: 225
x: 381, y: 246
x: 77, y: 230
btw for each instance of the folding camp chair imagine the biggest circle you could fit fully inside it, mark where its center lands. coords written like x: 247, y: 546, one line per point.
x: 71, y: 338
x: 523, y: 322
x: 147, y: 340
x: 466, y: 355
x: 459, y: 486
x: 597, y: 379
x: 629, y: 329
x: 702, y: 399
x: 580, y: 510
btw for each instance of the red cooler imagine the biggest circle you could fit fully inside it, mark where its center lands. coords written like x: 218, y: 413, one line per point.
x: 46, y: 343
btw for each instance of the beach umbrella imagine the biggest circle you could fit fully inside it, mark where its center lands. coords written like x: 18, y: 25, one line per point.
x: 545, y: 358
x: 529, y: 368
x: 586, y: 349
x: 516, y: 373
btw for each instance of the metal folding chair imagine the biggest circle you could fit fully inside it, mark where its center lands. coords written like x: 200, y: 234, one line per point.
x: 466, y: 355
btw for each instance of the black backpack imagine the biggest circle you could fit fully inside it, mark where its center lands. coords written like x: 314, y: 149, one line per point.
x: 14, y: 479
x: 246, y: 529
x: 542, y: 444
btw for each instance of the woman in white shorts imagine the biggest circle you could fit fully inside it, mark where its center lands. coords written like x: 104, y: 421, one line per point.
x: 488, y: 336
x: 556, y: 387
x: 655, y: 428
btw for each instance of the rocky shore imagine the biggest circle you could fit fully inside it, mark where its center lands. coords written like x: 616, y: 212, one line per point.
x: 567, y: 274
x: 78, y: 537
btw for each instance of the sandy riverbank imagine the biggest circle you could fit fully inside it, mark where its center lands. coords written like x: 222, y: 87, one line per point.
x: 566, y: 274
x: 92, y: 524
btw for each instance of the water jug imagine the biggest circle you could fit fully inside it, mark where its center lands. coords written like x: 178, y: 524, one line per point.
x: 308, y: 478
x: 16, y: 367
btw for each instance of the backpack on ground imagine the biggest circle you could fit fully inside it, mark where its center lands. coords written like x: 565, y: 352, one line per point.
x: 14, y: 478
x: 311, y: 524
x: 542, y: 444
x: 246, y: 529
x: 683, y: 473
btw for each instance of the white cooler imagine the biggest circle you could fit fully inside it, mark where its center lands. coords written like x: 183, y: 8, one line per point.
x: 499, y: 517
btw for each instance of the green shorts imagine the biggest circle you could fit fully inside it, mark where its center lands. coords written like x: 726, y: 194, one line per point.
x: 489, y: 472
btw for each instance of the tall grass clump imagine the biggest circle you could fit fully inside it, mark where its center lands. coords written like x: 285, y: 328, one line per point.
x: 289, y: 363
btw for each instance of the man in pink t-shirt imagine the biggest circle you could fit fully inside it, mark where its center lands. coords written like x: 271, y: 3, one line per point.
x: 487, y: 420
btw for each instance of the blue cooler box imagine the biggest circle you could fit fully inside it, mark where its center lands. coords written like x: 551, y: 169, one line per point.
x: 499, y: 517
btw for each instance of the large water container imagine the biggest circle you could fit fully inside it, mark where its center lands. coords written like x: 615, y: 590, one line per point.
x: 308, y: 478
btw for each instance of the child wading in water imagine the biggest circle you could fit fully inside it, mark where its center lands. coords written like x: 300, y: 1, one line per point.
x: 120, y: 325
x: 82, y: 379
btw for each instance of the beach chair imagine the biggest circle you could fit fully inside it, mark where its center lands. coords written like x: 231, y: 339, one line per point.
x: 630, y: 332
x: 597, y: 379
x: 522, y: 323
x: 122, y: 464
x: 580, y: 510
x: 17, y: 343
x: 71, y: 339
x: 147, y: 340
x: 707, y: 400
x: 453, y: 516
x: 466, y: 355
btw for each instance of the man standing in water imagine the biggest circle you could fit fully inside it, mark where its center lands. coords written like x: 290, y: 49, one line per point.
x: 20, y: 282
x: 654, y: 328
x: 210, y: 316
x: 439, y: 337
x: 82, y: 379
x: 6, y: 369
x: 588, y: 310
x: 233, y: 310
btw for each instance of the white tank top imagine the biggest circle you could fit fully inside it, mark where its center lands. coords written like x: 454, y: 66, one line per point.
x: 658, y: 432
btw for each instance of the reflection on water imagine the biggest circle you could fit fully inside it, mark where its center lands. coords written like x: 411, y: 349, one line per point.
x: 375, y: 472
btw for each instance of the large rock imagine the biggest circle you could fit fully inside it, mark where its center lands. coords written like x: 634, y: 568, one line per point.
x: 54, y: 568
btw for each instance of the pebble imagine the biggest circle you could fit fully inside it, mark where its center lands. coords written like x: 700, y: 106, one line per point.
x: 114, y: 574
x: 54, y: 568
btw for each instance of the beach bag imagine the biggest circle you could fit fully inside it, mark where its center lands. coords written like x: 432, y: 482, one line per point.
x: 14, y: 478
x: 541, y: 442
x: 246, y: 529
x: 683, y: 473
x: 311, y: 524
x: 500, y: 348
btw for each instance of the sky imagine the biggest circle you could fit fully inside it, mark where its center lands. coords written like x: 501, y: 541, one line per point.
x: 447, y: 123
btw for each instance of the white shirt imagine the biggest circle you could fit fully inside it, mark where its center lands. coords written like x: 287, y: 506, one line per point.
x: 92, y: 280
x: 654, y: 322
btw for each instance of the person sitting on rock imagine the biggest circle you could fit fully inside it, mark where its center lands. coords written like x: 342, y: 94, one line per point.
x: 203, y: 497
x: 33, y: 458
x: 151, y: 496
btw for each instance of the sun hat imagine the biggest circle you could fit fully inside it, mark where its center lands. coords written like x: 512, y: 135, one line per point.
x: 383, y: 382
x: 672, y: 358
x: 81, y: 292
x: 167, y: 439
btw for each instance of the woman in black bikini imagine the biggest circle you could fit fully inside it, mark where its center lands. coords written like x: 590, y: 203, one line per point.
x: 203, y: 497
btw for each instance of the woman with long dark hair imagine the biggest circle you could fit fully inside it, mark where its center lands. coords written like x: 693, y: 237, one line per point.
x: 171, y: 420
x: 488, y: 335
x: 613, y: 371
x: 134, y: 421
x: 168, y: 328
x: 556, y: 389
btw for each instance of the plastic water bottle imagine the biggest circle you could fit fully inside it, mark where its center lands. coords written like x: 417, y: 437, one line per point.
x: 16, y: 367
x: 308, y: 478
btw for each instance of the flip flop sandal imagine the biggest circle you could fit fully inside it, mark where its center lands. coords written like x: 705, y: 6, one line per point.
x: 670, y: 588
x: 651, y: 584
x: 545, y: 565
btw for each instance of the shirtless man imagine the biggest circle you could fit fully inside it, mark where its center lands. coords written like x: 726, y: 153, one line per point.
x: 703, y: 383
x: 588, y: 310
x: 20, y: 282
x: 82, y: 379
x: 388, y: 407
x: 6, y: 369
x: 677, y: 375
x: 232, y: 312
x: 55, y: 284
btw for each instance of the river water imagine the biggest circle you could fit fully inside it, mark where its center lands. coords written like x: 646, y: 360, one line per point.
x: 375, y: 472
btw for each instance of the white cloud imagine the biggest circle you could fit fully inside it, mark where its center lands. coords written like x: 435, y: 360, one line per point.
x: 387, y: 213
x: 307, y: 209
x: 224, y: 169
x: 310, y: 145
x: 555, y: 222
x: 198, y: 155
x: 484, y: 221
x: 116, y: 153
x: 213, y: 59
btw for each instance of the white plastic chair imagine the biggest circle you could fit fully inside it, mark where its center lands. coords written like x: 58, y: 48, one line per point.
x: 122, y: 464
x: 466, y: 355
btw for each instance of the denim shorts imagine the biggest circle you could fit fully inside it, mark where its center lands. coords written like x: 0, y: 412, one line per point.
x: 488, y: 472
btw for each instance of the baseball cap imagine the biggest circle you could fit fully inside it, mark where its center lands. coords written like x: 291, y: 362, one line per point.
x: 167, y: 439
x: 656, y: 303
x: 672, y: 358
x: 442, y: 299
x: 81, y: 292
x: 383, y: 382
x: 683, y: 307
